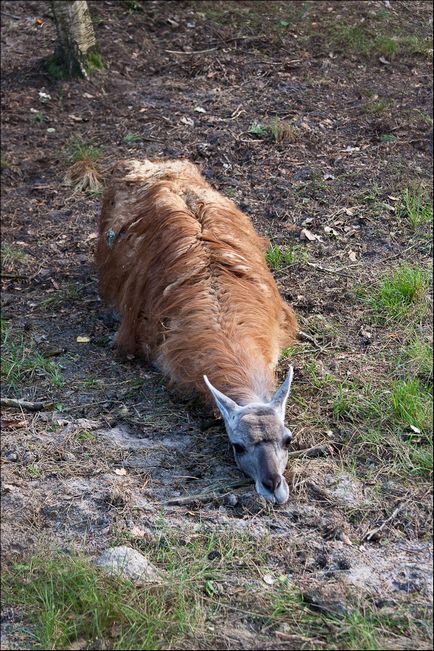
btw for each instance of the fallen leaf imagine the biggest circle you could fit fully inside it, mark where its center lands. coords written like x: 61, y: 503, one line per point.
x: 352, y: 256
x: 91, y: 236
x: 349, y: 211
x: 44, y: 97
x: 136, y: 532
x: 83, y: 339
x: 199, y: 109
x: 188, y: 121
x: 120, y: 471
x: 384, y: 60
x: 87, y: 95
x: 345, y: 539
x: 268, y: 579
x: 330, y: 231
x: 305, y: 234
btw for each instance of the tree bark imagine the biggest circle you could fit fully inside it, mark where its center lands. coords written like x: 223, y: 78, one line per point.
x: 75, y: 35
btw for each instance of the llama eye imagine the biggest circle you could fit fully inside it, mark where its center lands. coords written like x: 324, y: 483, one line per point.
x: 239, y: 449
x: 287, y: 440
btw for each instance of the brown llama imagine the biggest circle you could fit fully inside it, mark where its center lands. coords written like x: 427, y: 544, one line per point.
x: 187, y: 272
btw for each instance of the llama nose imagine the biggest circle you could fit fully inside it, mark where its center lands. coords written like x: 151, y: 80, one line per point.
x: 272, y: 482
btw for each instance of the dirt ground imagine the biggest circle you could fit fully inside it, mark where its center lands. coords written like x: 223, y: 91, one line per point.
x: 116, y: 449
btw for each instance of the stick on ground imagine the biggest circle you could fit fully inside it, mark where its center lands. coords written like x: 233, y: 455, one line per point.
x: 25, y: 404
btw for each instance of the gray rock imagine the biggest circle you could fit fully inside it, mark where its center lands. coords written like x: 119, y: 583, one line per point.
x: 128, y: 563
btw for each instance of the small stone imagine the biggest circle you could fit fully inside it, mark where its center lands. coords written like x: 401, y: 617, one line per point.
x: 128, y: 563
x: 214, y: 554
x: 230, y: 500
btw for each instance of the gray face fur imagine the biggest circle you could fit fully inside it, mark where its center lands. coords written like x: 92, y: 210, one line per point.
x: 259, y: 439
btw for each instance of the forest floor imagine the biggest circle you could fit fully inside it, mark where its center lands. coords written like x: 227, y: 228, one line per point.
x: 316, y: 119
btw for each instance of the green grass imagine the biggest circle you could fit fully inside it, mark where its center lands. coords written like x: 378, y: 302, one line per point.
x: 276, y: 130
x: 376, y: 107
x: 94, y: 61
x: 131, y: 137
x: 400, y: 293
x: 278, y: 256
x: 66, y: 601
x: 38, y: 117
x: 412, y: 404
x: 79, y: 151
x: 417, y: 207
x: 258, y: 129
x: 11, y: 255
x: 417, y: 359
x: 361, y: 39
x: 69, y: 600
x: 22, y: 362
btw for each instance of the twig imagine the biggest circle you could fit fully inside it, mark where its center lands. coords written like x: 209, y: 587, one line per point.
x: 314, y: 451
x: 211, y: 494
x: 339, y: 270
x: 307, y: 337
x: 373, y: 532
x: 8, y: 275
x: 6, y: 13
x: 212, y: 49
x: 25, y: 404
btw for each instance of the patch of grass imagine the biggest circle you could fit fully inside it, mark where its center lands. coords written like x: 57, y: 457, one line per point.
x: 4, y: 162
x: 366, y: 41
x: 38, y: 117
x: 80, y: 151
x: 417, y: 358
x: 388, y: 137
x: 55, y: 67
x: 131, y: 137
x: 87, y: 437
x: 84, y: 174
x: 283, y: 131
x: 70, y: 600
x: 21, y: 361
x: 12, y: 256
x: 376, y: 107
x: 34, y: 470
x: 94, y: 61
x: 417, y: 207
x: 281, y: 256
x: 417, y: 45
x: 230, y: 191
x: 412, y: 404
x: 399, y: 293
x: 258, y: 129
x: 72, y: 293
x: 276, y: 130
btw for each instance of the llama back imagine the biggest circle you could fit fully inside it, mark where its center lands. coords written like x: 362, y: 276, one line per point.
x: 187, y: 272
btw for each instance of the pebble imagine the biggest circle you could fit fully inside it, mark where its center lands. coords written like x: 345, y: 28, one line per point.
x: 230, y: 500
x: 128, y: 563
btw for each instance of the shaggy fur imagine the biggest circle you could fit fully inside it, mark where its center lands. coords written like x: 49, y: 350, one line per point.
x: 187, y: 272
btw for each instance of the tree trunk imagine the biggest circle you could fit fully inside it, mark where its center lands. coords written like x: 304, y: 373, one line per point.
x: 75, y: 34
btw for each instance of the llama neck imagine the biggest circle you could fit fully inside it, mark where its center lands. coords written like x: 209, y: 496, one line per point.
x: 246, y: 379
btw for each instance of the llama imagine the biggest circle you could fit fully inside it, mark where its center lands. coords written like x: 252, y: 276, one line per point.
x: 187, y: 272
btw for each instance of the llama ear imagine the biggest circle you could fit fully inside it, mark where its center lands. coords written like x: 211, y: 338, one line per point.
x: 281, y: 396
x: 226, y: 405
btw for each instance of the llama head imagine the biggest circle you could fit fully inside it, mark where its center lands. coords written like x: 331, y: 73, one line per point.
x: 259, y: 439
